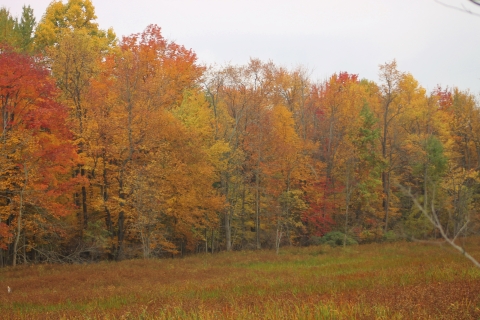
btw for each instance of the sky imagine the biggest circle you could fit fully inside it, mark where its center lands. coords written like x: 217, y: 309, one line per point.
x: 436, y: 44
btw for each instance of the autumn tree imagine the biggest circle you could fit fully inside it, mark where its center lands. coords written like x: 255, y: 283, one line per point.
x: 74, y: 15
x: 284, y: 167
x: 151, y: 76
x: 36, y: 150
x: 75, y: 47
x: 389, y: 112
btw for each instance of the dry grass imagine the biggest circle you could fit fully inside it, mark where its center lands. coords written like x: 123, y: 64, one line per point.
x: 387, y: 281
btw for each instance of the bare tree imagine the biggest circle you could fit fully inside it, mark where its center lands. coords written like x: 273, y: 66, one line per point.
x: 432, y: 216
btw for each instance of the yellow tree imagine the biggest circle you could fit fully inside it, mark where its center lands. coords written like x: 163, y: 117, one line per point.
x: 284, y: 167
x: 75, y: 46
x: 74, y: 15
x: 389, y: 112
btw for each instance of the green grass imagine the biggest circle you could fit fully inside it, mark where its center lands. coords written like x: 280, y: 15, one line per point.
x: 378, y: 281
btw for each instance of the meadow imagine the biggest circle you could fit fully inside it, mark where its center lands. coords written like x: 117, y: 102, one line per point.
x: 376, y: 281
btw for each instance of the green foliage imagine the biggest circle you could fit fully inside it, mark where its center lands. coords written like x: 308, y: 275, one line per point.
x: 417, y: 224
x: 24, y: 30
x: 433, y: 164
x: 368, y: 135
x: 336, y: 238
x: 96, y: 236
x: 7, y: 24
x: 18, y: 34
x: 369, y: 163
x: 390, y: 236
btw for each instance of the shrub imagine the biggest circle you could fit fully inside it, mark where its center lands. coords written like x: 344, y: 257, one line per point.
x: 336, y: 238
x: 390, y: 236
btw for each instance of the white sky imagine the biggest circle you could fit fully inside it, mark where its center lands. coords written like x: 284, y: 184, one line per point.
x: 437, y: 45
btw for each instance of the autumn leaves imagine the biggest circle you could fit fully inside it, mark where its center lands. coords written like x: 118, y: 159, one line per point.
x: 131, y: 148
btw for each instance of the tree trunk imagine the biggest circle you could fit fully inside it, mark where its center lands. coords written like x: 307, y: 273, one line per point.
x: 213, y: 239
x: 108, y: 217
x: 19, y: 229
x: 120, y: 235
x: 278, y: 237
x: 386, y: 190
x: 257, y: 210
x: 228, y: 231
x: 206, y: 240
x: 121, y: 221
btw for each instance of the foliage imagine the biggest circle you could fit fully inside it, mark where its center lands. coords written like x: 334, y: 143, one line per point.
x: 121, y: 148
x: 36, y: 150
x: 18, y: 33
x: 336, y: 238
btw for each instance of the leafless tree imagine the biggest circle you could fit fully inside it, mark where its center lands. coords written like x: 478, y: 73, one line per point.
x: 432, y: 216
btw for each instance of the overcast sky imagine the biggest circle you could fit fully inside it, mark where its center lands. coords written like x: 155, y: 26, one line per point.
x: 437, y: 45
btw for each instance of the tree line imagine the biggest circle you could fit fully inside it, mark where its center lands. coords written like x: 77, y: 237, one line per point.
x: 114, y: 148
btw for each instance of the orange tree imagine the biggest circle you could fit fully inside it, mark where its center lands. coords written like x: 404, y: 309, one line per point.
x: 36, y: 153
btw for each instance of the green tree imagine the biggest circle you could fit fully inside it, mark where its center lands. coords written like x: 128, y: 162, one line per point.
x: 18, y: 34
x: 7, y: 25
x: 24, y: 30
x: 368, y: 165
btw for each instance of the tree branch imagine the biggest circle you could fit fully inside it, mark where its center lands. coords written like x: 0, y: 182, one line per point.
x: 436, y: 223
x: 462, y: 9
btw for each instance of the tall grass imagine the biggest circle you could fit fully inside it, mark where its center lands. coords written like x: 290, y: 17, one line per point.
x: 378, y: 281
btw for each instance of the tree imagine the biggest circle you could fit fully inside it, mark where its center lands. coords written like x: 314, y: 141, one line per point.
x: 363, y: 171
x: 75, y: 48
x: 283, y: 169
x: 389, y: 112
x: 431, y: 215
x: 152, y: 74
x: 74, y: 15
x: 7, y: 25
x: 36, y: 150
x: 25, y: 30
x: 18, y: 34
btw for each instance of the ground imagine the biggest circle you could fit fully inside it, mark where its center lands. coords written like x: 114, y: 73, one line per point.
x: 378, y: 281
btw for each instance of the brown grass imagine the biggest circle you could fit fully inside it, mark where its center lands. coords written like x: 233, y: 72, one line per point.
x: 378, y: 281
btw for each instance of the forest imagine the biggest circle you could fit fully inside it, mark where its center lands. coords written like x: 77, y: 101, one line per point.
x: 127, y: 147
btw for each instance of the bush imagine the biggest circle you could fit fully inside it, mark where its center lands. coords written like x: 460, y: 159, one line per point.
x: 390, y: 236
x: 336, y: 238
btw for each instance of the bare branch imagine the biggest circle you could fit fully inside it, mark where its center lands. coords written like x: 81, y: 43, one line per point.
x: 436, y: 223
x: 461, y: 229
x: 462, y: 9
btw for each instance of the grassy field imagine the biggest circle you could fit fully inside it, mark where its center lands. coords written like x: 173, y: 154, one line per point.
x: 378, y: 281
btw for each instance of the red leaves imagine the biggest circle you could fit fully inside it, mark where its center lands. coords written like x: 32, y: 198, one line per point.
x: 5, y: 235
x: 36, y: 139
x: 445, y: 98
x: 318, y: 216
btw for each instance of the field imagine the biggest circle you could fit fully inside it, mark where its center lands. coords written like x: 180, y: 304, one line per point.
x: 377, y: 281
